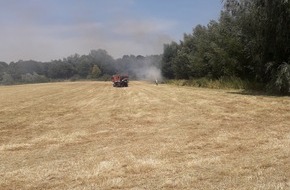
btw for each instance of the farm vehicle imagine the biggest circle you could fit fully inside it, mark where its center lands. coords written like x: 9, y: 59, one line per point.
x: 120, y: 80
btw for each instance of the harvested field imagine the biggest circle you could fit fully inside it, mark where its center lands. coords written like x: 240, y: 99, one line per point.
x: 89, y: 135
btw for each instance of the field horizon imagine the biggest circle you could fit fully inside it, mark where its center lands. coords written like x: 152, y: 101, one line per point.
x: 89, y: 135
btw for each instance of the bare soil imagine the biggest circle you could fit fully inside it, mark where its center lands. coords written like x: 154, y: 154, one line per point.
x: 89, y: 135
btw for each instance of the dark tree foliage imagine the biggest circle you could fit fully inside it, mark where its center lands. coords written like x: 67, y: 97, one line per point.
x: 3, y: 68
x: 251, y: 41
x: 103, y: 60
x: 170, y: 52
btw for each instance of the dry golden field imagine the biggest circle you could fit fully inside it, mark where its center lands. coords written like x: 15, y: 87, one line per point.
x: 89, y: 135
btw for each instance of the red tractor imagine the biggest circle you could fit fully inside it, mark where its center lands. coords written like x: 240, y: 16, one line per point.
x: 120, y: 80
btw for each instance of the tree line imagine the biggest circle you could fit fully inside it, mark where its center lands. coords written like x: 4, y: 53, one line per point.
x: 250, y: 41
x: 98, y: 64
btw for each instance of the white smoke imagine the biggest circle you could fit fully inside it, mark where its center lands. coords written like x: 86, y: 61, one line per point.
x: 147, y: 68
x: 150, y: 73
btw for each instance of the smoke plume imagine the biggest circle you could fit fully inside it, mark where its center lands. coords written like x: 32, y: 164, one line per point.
x: 141, y: 68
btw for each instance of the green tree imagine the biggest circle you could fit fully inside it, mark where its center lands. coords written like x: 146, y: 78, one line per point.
x: 84, y: 66
x: 96, y: 72
x: 181, y: 65
x: 264, y: 26
x: 3, y: 68
x: 7, y: 79
x: 105, y: 62
x: 169, y: 53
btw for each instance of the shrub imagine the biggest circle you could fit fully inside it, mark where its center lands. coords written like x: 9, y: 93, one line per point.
x: 33, y: 78
x: 76, y: 77
x: 221, y: 83
x: 279, y: 78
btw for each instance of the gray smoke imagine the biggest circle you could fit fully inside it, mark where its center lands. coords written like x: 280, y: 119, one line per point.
x: 150, y: 73
x: 141, y: 68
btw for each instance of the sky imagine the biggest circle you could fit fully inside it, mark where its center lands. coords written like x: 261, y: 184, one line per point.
x: 45, y: 30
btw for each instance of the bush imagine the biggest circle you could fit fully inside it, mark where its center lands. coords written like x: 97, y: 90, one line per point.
x: 279, y: 78
x: 33, y: 78
x: 76, y: 77
x: 105, y: 78
x: 221, y: 83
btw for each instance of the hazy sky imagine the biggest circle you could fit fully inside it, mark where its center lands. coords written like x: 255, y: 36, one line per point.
x: 43, y: 30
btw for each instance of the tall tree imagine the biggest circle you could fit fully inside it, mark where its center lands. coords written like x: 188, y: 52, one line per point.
x: 169, y: 53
